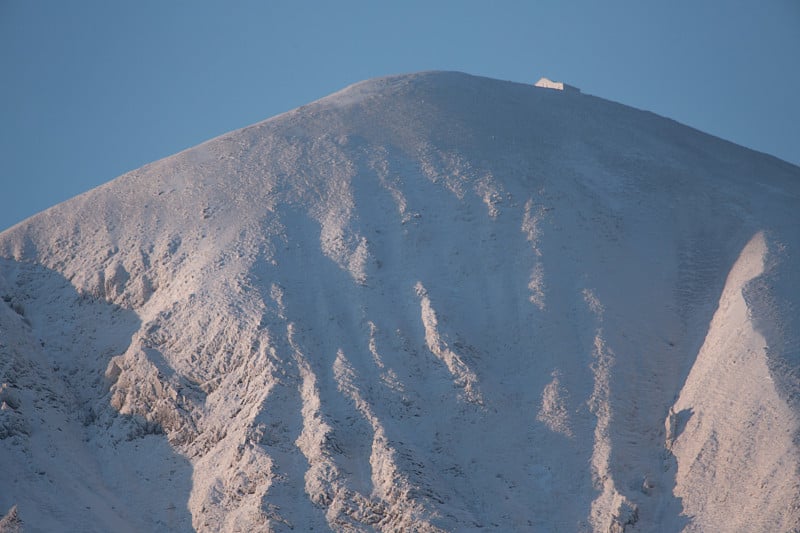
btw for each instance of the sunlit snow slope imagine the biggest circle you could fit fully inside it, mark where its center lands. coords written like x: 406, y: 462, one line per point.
x: 431, y: 302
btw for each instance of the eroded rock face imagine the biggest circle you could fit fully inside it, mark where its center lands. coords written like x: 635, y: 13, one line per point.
x: 11, y: 523
x: 427, y: 303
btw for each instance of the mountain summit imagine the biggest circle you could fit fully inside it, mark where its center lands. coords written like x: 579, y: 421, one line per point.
x: 431, y: 302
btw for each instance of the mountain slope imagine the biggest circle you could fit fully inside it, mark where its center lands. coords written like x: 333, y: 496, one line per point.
x: 430, y: 302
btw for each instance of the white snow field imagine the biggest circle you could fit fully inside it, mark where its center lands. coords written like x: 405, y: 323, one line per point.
x: 430, y: 302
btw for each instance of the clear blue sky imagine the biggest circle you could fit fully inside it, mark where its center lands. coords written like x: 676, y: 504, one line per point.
x: 93, y: 88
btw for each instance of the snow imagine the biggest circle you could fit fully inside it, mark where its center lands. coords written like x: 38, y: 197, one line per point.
x: 429, y: 302
x: 730, y: 392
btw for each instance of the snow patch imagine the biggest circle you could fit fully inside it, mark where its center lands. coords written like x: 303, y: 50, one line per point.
x: 553, y: 409
x: 394, y: 509
x: 531, y: 227
x: 463, y: 377
x: 738, y: 438
x: 611, y: 510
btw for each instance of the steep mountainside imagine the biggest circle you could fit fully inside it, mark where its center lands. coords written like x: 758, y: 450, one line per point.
x: 431, y: 302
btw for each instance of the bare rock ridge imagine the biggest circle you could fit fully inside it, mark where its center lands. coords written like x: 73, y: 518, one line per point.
x: 430, y: 302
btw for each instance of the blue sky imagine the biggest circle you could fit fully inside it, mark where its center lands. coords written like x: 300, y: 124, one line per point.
x: 93, y: 88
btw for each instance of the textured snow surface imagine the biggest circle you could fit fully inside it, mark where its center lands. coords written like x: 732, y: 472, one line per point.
x: 431, y: 302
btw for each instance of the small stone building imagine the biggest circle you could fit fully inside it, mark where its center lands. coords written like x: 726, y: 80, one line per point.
x: 557, y: 85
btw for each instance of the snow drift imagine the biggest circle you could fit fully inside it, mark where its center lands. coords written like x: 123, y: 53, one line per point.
x: 431, y: 302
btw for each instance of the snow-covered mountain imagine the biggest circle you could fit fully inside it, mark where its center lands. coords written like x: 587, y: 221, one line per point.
x: 431, y: 302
